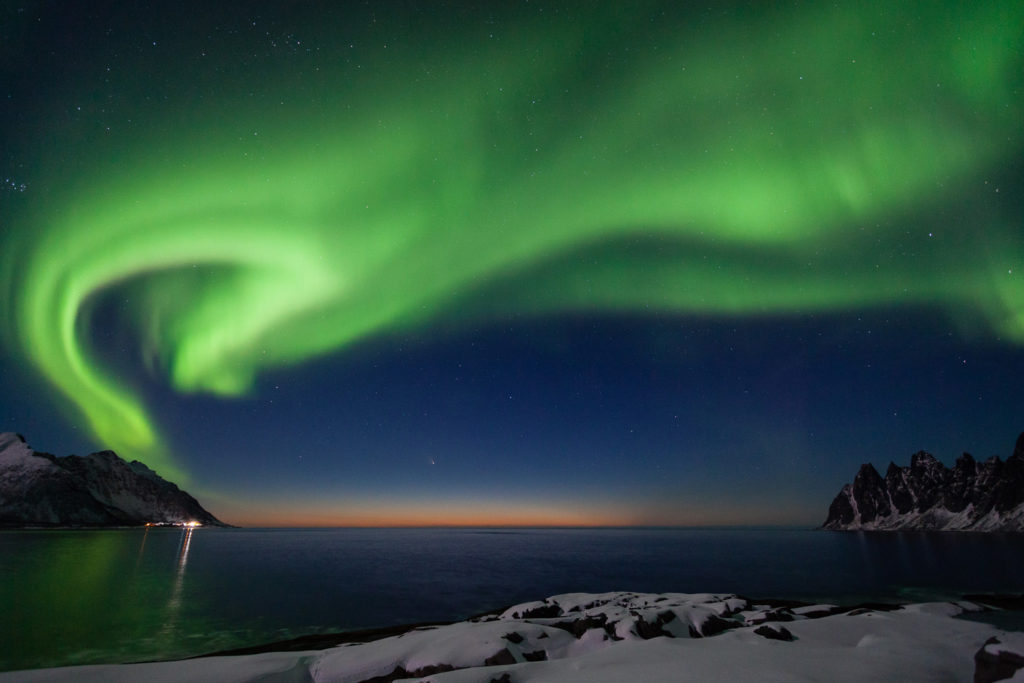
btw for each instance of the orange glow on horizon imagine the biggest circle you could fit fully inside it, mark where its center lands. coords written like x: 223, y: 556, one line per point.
x: 437, y: 512
x: 456, y: 514
x: 313, y: 518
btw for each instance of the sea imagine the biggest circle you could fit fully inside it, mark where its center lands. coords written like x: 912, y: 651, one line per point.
x: 125, y: 595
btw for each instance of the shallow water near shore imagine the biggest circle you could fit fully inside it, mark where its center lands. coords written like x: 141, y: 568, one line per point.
x: 74, y: 597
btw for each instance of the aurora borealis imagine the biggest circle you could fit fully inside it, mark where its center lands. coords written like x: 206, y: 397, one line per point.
x: 205, y: 204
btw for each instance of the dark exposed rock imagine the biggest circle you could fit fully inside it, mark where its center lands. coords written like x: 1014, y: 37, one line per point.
x: 927, y: 479
x: 867, y: 607
x: 714, y: 625
x: 400, y: 673
x: 648, y: 630
x: 38, y: 489
x: 973, y: 496
x: 502, y: 656
x: 503, y: 678
x: 869, y: 492
x: 710, y: 626
x: 543, y: 612
x: 958, y: 487
x: 1000, y: 666
x: 536, y: 656
x: 840, y: 512
x: 578, y: 627
x: 899, y: 491
x: 771, y: 615
x: 1010, y: 493
x: 609, y: 632
x: 513, y: 638
x: 775, y: 633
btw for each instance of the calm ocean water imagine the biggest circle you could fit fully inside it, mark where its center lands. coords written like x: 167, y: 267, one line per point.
x: 69, y: 597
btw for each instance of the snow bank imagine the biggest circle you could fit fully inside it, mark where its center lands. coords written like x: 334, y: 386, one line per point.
x: 630, y: 636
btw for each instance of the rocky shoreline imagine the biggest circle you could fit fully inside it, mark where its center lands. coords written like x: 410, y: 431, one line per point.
x: 619, y: 636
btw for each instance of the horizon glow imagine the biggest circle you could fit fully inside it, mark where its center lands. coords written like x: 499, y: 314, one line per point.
x: 732, y: 170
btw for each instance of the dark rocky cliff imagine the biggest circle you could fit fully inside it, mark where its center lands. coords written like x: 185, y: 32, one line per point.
x: 38, y: 489
x: 970, y: 496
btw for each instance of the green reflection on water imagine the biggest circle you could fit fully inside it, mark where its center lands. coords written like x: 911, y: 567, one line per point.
x: 75, y: 597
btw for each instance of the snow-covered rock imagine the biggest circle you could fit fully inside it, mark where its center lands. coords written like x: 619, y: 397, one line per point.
x: 38, y: 489
x: 970, y: 496
x: 1000, y: 658
x: 589, y: 637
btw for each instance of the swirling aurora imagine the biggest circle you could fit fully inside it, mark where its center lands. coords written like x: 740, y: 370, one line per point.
x: 753, y: 163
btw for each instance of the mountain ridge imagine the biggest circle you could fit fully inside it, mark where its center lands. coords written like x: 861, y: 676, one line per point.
x: 98, y: 490
x: 927, y: 495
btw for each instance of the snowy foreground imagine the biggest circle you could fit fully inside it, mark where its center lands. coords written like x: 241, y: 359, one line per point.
x: 631, y: 637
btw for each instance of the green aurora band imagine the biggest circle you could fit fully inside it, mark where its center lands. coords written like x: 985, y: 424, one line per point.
x: 774, y: 165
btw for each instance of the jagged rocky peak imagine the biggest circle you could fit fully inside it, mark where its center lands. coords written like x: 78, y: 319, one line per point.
x: 101, y: 489
x: 923, y: 460
x: 867, y: 488
x: 970, y: 496
x: 965, y: 463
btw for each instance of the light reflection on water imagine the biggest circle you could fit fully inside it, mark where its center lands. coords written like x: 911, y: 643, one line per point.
x: 142, y: 546
x: 126, y: 595
x: 174, y: 602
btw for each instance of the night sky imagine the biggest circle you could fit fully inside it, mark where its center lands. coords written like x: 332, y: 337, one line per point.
x: 512, y: 263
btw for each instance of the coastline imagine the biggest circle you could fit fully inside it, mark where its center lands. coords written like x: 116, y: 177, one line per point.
x: 605, y: 637
x: 156, y: 597
x: 996, y: 609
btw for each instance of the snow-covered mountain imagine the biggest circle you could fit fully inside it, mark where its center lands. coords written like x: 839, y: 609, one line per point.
x: 972, y: 496
x: 38, y: 489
